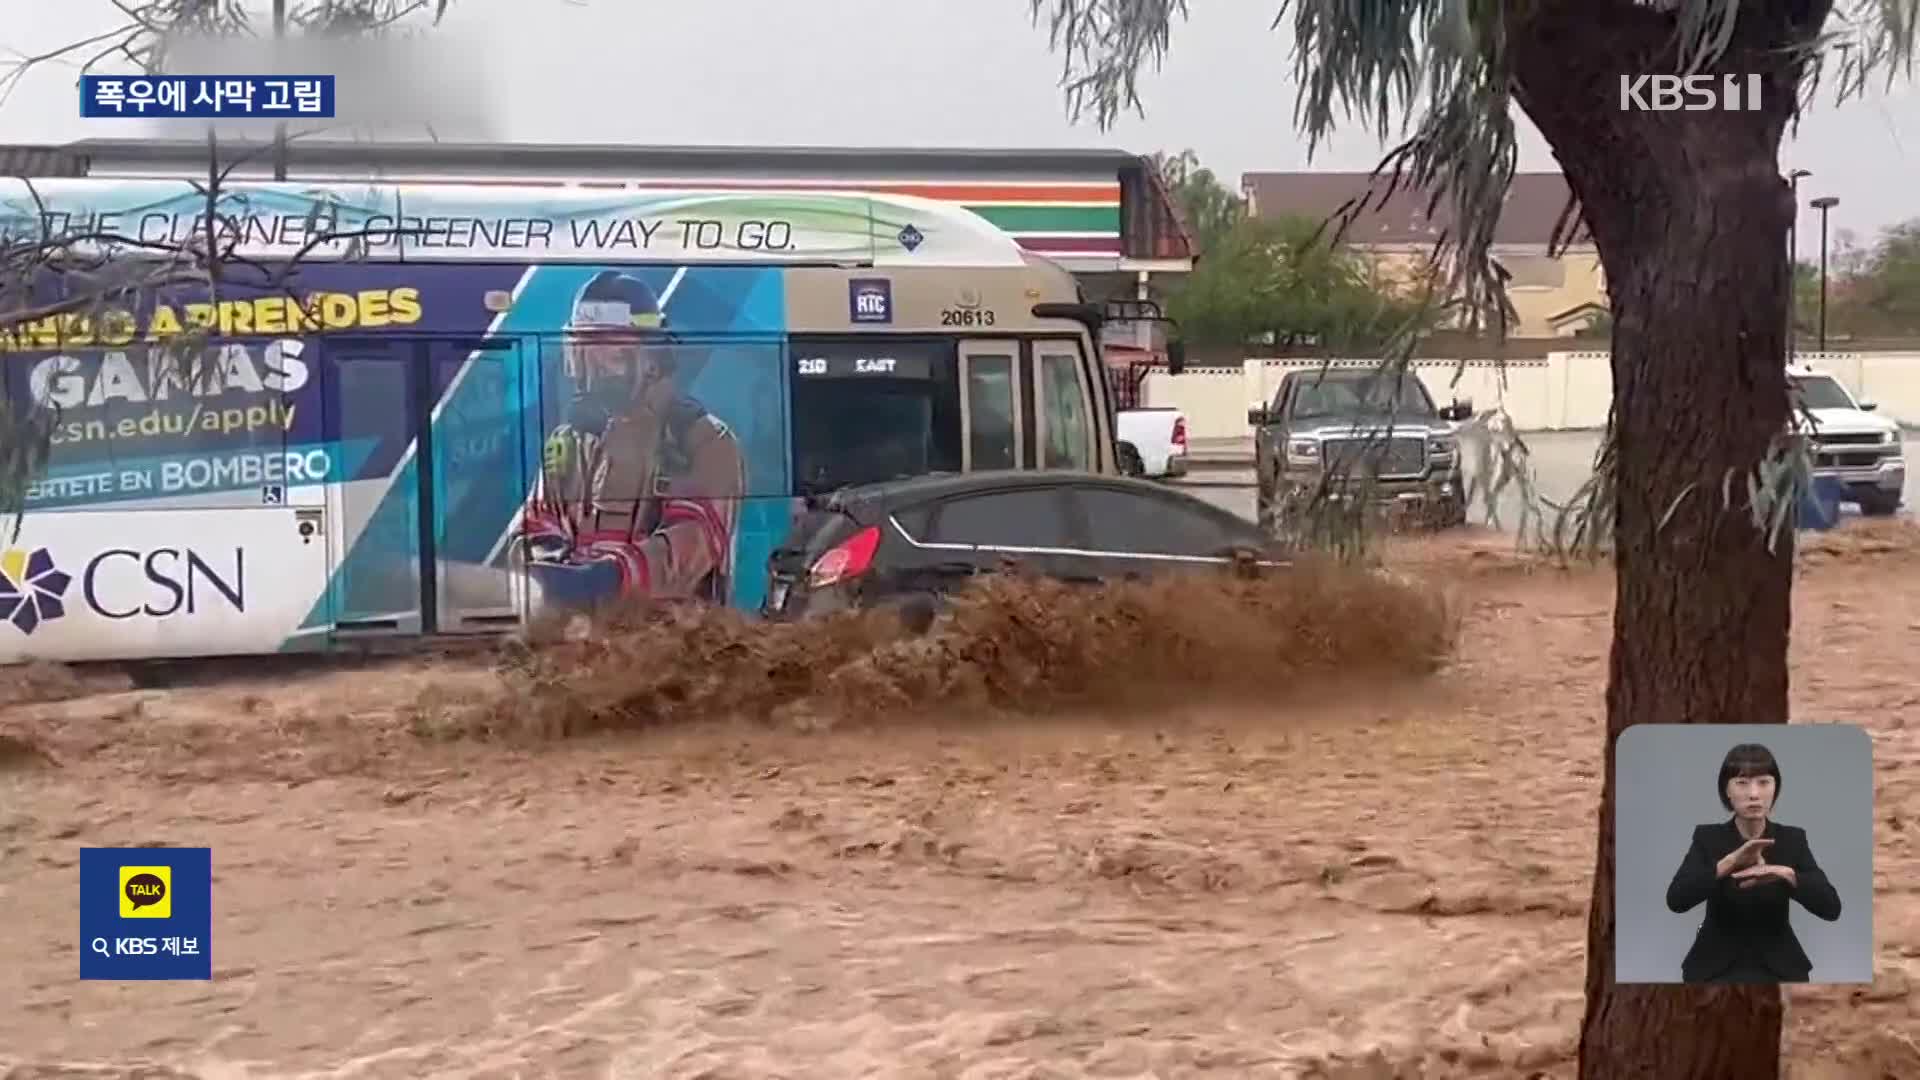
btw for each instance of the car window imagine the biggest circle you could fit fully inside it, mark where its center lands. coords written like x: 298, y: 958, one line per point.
x: 1149, y: 523
x: 914, y: 520
x: 1026, y: 518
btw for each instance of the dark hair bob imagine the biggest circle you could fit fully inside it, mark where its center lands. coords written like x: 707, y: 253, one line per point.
x: 1749, y: 759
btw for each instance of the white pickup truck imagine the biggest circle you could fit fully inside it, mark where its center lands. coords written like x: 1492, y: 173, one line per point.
x: 1153, y: 442
x: 1853, y: 444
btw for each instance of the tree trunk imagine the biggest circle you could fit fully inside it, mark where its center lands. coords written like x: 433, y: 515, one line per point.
x: 1689, y: 212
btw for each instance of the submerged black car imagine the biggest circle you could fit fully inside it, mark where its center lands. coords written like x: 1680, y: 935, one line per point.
x: 911, y: 541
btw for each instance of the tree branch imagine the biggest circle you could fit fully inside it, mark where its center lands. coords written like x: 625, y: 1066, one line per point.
x: 1104, y: 46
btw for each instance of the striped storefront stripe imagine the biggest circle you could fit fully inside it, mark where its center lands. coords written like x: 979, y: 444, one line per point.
x: 1046, y: 216
x: 1071, y: 245
x: 1043, y: 216
x: 1024, y: 220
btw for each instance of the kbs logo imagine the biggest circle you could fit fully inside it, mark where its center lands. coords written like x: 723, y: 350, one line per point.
x: 870, y: 300
x: 1689, y: 93
x: 32, y: 589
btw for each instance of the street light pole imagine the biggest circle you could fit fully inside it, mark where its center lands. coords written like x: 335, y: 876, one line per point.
x: 1823, y: 204
x: 1793, y: 259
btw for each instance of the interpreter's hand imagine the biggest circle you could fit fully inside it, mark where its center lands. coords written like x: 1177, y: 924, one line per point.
x: 1751, y: 853
x: 1754, y: 875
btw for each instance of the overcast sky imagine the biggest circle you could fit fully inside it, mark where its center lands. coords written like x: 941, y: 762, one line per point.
x: 905, y: 73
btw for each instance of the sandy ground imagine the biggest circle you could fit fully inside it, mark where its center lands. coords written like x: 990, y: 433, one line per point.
x: 1352, y: 884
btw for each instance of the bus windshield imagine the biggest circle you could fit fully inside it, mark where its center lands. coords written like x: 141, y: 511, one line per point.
x: 873, y: 410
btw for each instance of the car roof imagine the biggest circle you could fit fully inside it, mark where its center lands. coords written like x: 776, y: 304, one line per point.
x: 868, y: 501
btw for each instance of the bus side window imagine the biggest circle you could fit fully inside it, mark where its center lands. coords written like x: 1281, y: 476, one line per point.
x: 1066, y: 421
x: 990, y: 406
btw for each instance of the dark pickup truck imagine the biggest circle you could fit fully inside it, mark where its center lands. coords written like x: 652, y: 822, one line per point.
x: 1355, y: 431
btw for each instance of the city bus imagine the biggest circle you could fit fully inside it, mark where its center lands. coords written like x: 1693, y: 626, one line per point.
x: 442, y: 408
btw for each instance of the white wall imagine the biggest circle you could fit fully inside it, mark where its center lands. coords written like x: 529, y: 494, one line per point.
x: 1563, y: 391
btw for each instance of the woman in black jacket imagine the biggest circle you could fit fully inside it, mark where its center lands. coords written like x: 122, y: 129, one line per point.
x: 1746, y: 869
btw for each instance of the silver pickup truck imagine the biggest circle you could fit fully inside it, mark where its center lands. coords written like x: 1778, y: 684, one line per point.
x: 1852, y: 444
x: 1352, y: 431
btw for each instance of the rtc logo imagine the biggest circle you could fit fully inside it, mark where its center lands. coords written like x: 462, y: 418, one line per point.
x: 32, y: 589
x: 870, y: 300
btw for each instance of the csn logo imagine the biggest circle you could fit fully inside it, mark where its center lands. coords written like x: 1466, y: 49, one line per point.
x: 870, y: 300
x: 120, y: 583
x: 32, y: 589
x: 124, y: 583
x: 1689, y: 93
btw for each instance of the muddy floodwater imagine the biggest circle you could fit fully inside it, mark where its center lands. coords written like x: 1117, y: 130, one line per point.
x: 1348, y: 882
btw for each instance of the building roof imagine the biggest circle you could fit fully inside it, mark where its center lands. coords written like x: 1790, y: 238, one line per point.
x: 426, y: 153
x: 38, y: 161
x: 1534, y: 204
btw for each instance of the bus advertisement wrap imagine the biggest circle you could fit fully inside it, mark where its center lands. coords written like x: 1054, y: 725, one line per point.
x: 600, y: 465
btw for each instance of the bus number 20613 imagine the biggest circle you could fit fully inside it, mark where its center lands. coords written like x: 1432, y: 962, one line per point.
x: 966, y: 317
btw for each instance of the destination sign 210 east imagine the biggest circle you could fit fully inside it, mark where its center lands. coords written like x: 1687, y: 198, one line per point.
x: 164, y: 96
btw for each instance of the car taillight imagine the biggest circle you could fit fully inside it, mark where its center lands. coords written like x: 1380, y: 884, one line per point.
x: 1180, y: 431
x: 848, y: 559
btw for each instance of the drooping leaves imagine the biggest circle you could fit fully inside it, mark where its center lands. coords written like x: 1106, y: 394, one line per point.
x: 1436, y: 75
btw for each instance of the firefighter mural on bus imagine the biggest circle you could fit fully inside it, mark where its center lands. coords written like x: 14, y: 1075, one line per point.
x: 640, y: 485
